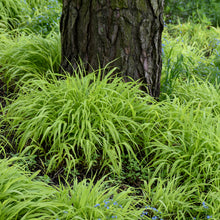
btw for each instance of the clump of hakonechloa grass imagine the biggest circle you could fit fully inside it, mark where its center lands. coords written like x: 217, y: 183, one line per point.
x: 79, y: 119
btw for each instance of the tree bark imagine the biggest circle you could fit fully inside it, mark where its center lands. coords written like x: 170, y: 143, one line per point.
x: 100, y: 31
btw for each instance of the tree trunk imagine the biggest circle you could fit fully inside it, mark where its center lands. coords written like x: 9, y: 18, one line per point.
x: 100, y: 31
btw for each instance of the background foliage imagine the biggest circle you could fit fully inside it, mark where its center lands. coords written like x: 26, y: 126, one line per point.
x: 206, y: 11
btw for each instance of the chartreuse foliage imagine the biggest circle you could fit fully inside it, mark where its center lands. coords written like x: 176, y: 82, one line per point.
x: 183, y: 152
x: 190, y: 50
x: 37, y: 16
x: 22, y: 196
x: 79, y: 119
x: 28, y: 57
x: 87, y: 120
x: 10, y: 14
x: 181, y: 142
x: 29, y: 39
x: 169, y: 149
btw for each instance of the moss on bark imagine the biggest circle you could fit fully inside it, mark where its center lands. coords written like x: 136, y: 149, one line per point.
x: 119, y: 4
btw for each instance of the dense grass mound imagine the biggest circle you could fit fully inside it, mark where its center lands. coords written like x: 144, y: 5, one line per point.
x: 24, y: 197
x: 96, y: 123
x: 183, y: 152
x: 77, y: 119
x: 28, y: 57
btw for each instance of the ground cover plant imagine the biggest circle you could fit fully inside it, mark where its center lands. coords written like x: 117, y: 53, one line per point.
x: 79, y: 119
x: 24, y: 197
x: 28, y: 57
x: 78, y: 147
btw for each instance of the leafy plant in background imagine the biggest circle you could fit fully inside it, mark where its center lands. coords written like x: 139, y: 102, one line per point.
x: 40, y: 17
x: 189, y: 50
x: 44, y: 16
x: 206, y: 11
x: 10, y: 14
x: 209, y: 72
x: 173, y: 71
x: 133, y: 172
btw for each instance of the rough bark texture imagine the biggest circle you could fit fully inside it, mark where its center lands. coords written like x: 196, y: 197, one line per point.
x: 99, y: 31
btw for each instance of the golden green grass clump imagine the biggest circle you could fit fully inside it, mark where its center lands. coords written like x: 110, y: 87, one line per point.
x: 23, y: 196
